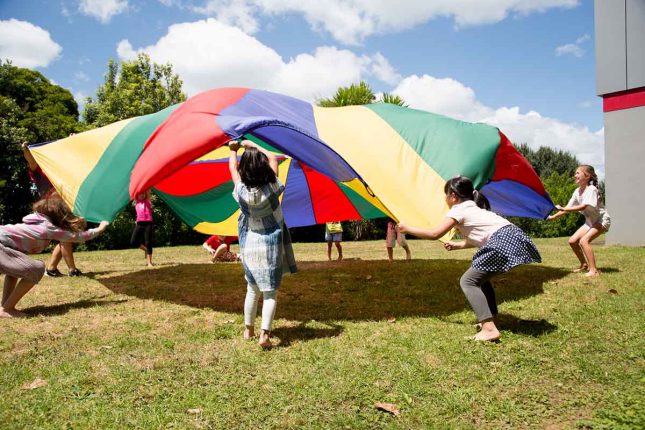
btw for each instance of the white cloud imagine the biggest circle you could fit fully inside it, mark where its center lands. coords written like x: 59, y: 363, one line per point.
x: 452, y: 98
x: 236, y: 13
x: 383, y: 70
x: 81, y: 76
x: 574, y: 49
x: 103, y: 10
x: 351, y: 21
x: 26, y: 44
x: 208, y: 54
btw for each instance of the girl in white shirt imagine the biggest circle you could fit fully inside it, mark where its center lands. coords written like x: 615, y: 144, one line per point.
x: 502, y: 246
x: 586, y: 199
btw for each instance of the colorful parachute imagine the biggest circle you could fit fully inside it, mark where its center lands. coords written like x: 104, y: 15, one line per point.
x: 337, y: 163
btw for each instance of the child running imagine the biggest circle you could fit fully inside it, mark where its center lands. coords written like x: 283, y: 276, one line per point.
x: 51, y: 220
x: 265, y: 243
x: 394, y: 236
x: 142, y: 233
x: 502, y: 247
x: 586, y: 199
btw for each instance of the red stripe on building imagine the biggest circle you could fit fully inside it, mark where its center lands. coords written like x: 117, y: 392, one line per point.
x: 624, y: 100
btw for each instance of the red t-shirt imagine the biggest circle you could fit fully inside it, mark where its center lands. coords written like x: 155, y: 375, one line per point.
x: 215, y: 241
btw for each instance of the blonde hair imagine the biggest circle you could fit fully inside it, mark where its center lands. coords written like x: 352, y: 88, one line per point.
x: 589, y: 171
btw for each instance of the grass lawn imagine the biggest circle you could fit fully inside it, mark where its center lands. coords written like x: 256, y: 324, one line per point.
x: 131, y: 347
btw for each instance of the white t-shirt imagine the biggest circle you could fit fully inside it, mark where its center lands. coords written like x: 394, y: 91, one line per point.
x: 595, y: 210
x: 474, y: 223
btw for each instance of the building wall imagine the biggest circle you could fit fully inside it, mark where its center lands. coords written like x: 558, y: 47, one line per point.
x: 624, y: 175
x: 620, y: 80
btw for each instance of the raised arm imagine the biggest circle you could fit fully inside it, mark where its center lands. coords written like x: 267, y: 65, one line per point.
x: 433, y: 233
x: 234, y: 145
x: 33, y: 165
x: 273, y: 161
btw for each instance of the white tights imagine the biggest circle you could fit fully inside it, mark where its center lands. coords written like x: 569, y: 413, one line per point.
x: 251, y: 306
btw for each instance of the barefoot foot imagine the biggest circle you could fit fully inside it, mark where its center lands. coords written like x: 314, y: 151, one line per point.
x: 265, y: 339
x: 592, y: 273
x: 487, y: 336
x: 249, y: 333
x: 11, y: 313
x: 582, y: 268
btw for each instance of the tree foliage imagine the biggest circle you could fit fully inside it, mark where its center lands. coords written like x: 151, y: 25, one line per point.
x: 138, y: 87
x: 135, y: 88
x: 32, y: 110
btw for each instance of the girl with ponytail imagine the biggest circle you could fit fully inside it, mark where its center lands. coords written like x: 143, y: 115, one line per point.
x: 587, y: 200
x: 502, y: 246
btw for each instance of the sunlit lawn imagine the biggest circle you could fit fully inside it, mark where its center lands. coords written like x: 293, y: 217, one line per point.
x: 130, y: 347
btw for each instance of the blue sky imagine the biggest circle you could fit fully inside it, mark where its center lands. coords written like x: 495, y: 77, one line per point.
x: 526, y: 66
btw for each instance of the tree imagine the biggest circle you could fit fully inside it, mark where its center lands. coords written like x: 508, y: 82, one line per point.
x: 547, y: 161
x: 32, y: 110
x: 138, y: 87
x: 135, y: 88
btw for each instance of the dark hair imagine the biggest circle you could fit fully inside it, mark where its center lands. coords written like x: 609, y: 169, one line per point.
x: 59, y: 213
x: 593, y: 178
x: 463, y: 188
x: 254, y: 169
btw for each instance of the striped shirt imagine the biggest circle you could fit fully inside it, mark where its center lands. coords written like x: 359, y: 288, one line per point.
x: 37, y: 231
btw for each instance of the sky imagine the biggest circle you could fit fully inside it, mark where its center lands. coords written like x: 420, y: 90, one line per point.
x: 525, y: 66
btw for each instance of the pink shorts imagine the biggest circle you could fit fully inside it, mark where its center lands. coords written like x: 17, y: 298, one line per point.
x: 393, y: 237
x: 20, y: 265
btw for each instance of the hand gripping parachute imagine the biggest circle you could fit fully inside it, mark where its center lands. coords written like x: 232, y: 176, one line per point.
x: 337, y: 163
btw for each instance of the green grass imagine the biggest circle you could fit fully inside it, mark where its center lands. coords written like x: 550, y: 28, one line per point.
x: 130, y: 347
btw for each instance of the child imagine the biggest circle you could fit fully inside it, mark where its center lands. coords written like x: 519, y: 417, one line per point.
x: 219, y: 248
x: 142, y: 233
x: 51, y: 220
x: 586, y: 199
x: 63, y: 250
x: 334, y: 233
x: 502, y: 247
x: 394, y: 236
x: 265, y: 243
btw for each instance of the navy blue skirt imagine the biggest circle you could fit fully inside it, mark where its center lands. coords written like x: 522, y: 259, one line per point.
x: 506, y: 248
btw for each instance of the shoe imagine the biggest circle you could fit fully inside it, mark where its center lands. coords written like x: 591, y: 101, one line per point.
x: 54, y: 273
x: 75, y: 272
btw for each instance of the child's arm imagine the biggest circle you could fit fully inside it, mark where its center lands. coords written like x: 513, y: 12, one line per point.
x: 433, y: 233
x: 234, y: 145
x: 576, y: 208
x: 33, y: 165
x: 61, y: 235
x: 450, y: 245
x: 273, y: 161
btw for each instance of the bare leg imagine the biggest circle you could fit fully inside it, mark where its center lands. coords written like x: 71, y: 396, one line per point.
x: 574, y: 243
x: 9, y: 285
x: 8, y: 309
x: 585, y: 244
x: 219, y: 251
x: 149, y: 259
x: 57, y: 254
x: 339, y: 247
x: 390, y: 253
x: 408, y: 254
x: 329, y: 250
x: 67, y: 249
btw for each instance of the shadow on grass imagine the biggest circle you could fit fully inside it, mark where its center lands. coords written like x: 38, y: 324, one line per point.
x: 516, y: 325
x: 303, y: 333
x: 63, y: 308
x: 323, y: 291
